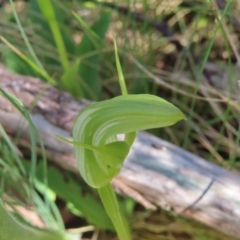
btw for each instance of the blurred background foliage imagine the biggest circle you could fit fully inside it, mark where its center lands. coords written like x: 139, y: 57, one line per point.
x: 184, y: 51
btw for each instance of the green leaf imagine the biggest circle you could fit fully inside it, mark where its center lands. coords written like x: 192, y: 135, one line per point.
x: 92, y: 40
x: 14, y: 63
x: 71, y: 192
x: 70, y: 80
x: 11, y: 228
x: 113, y: 153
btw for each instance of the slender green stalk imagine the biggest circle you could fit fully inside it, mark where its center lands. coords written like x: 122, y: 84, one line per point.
x: 48, y: 12
x: 120, y: 73
x: 111, y: 206
x: 129, y: 137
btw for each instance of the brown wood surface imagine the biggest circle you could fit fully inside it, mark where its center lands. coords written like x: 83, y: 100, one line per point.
x: 156, y: 173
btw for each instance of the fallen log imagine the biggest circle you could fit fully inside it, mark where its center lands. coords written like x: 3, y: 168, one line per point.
x: 156, y: 173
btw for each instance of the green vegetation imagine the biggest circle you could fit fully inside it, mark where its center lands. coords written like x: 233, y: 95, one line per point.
x: 69, y: 44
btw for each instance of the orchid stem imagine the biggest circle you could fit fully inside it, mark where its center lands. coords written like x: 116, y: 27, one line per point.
x: 113, y: 210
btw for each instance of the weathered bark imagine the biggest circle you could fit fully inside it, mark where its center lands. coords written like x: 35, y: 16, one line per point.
x: 156, y: 173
